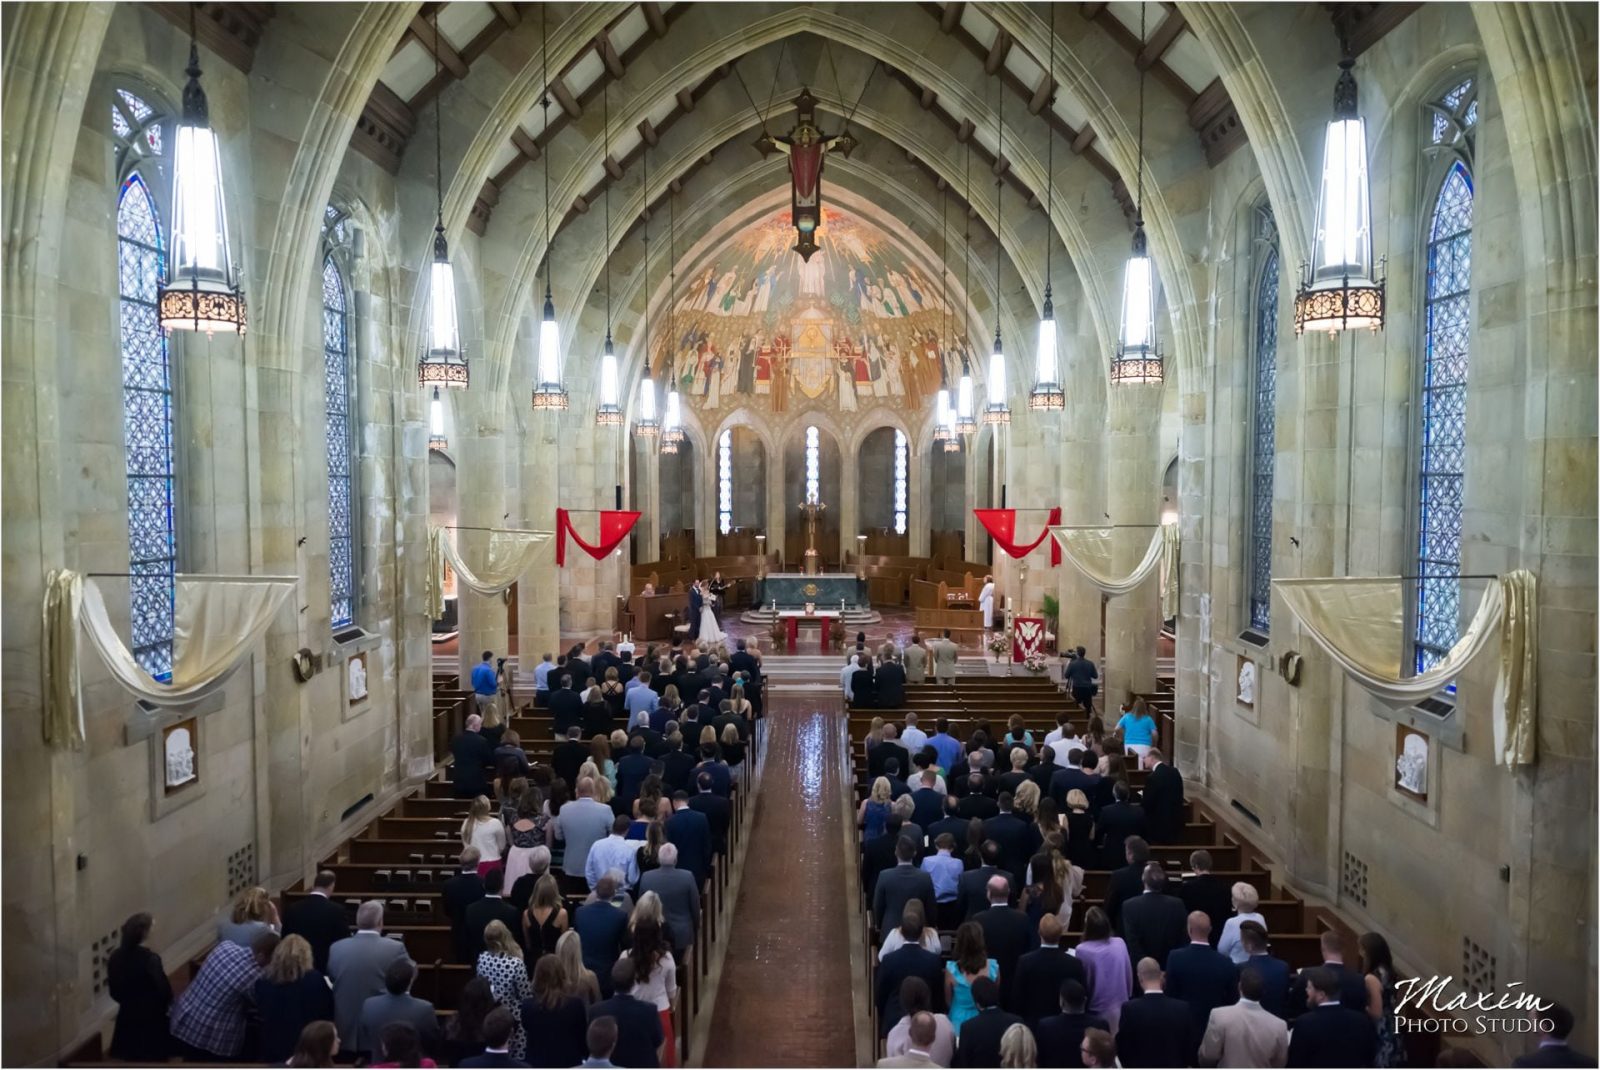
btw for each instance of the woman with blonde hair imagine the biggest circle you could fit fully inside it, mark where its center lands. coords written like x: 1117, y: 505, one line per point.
x: 1017, y: 1048
x: 581, y: 981
x: 252, y: 914
x: 875, y: 733
x: 602, y: 787
x: 671, y: 704
x: 874, y: 813
x: 483, y: 831
x: 494, y: 726
x: 289, y: 995
x: 500, y: 963
x: 708, y: 735
x: 1025, y: 803
x: 1245, y: 901
x: 647, y: 908
x: 741, y: 705
x: 611, y: 691
x: 545, y: 920
x: 1079, y: 825
x: 732, y: 749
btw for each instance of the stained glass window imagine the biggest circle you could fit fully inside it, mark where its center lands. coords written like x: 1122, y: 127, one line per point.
x: 137, y: 127
x: 147, y: 430
x: 1446, y: 339
x: 901, y: 467
x: 1455, y: 113
x: 1263, y: 430
x: 336, y: 394
x: 725, y: 482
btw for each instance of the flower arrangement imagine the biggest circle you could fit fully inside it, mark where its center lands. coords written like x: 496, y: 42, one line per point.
x: 999, y: 643
x: 1035, y: 662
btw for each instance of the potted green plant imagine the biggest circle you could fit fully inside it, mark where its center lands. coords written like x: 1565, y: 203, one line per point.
x: 1052, y: 620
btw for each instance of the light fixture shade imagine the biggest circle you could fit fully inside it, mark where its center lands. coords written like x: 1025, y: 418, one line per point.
x: 966, y: 418
x: 944, y: 417
x: 672, y: 426
x: 1339, y: 289
x: 648, y: 425
x: 609, y: 412
x: 443, y: 362
x: 548, y: 393
x: 996, y: 411
x: 436, y: 437
x: 1138, y: 358
x: 1046, y: 394
x: 202, y: 291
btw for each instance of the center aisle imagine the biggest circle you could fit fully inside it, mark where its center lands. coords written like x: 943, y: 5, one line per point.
x: 784, y: 998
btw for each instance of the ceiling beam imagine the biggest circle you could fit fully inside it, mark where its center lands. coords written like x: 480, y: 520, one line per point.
x: 564, y: 97
x: 950, y: 18
x: 1365, y: 24
x: 997, y: 52
x: 927, y: 98
x: 232, y: 31
x: 608, y: 55
x: 1165, y: 35
x: 647, y: 131
x: 437, y: 45
x: 525, y: 143
x: 1042, y: 94
x: 654, y: 19
x: 507, y: 13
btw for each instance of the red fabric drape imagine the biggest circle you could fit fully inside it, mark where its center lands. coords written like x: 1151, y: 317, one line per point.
x: 1001, y: 524
x: 614, y: 527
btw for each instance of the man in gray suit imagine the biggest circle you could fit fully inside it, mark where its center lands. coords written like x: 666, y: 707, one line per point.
x: 900, y: 884
x: 357, y: 965
x: 945, y: 653
x: 397, y: 1005
x: 584, y: 822
x: 923, y: 1033
x: 680, y: 897
x: 915, y: 660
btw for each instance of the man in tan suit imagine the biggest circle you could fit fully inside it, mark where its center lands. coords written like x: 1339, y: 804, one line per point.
x: 923, y: 1033
x: 945, y: 653
x: 1245, y: 1034
x: 916, y: 661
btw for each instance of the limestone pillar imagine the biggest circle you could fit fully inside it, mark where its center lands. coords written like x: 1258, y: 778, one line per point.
x: 1192, y: 668
x: 539, y: 592
x: 1133, y: 493
x: 917, y: 499
x: 849, y: 506
x: 481, y: 492
x: 647, y: 498
x: 1080, y: 433
x: 777, y: 510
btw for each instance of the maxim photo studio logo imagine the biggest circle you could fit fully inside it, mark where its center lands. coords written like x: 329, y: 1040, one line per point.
x: 1424, y: 1005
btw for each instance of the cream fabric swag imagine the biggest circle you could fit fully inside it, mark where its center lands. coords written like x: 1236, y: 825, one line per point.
x: 511, y: 553
x: 1360, y: 621
x: 217, y: 621
x: 1093, y: 552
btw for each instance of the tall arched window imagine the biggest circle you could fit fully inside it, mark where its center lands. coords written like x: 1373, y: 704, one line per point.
x: 725, y: 481
x: 813, y: 465
x: 1443, y: 382
x: 338, y: 395
x: 901, y: 467
x: 147, y: 414
x: 1263, y: 418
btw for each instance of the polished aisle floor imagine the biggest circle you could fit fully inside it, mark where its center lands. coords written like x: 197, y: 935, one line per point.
x: 784, y: 997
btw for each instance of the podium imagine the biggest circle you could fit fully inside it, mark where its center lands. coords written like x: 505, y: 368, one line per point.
x: 792, y: 619
x: 655, y: 614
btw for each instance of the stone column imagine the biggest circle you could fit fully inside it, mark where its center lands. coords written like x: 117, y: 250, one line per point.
x: 1133, y: 492
x: 481, y: 493
x: 647, y: 497
x: 849, y: 506
x: 916, y: 499
x: 777, y: 509
x: 1192, y: 669
x: 539, y: 592
x: 1080, y: 432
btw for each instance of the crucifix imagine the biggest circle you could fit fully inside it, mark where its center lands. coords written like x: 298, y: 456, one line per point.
x: 806, y: 145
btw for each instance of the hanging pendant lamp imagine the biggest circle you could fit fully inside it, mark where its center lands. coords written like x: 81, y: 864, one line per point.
x: 1338, y: 290
x: 965, y: 422
x: 995, y: 409
x: 549, y: 395
x: 609, y: 411
x: 202, y: 291
x: 436, y: 437
x: 444, y: 362
x: 1138, y: 357
x: 672, y: 435
x: 944, y: 413
x: 648, y: 423
x: 1047, y: 395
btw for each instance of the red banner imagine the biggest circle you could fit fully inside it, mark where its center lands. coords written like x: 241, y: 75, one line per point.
x: 614, y: 527
x: 1001, y: 524
x: 1027, y: 637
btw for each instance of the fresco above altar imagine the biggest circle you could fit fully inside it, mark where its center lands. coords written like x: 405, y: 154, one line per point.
x: 858, y: 325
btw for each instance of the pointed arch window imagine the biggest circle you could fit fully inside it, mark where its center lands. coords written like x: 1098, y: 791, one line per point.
x: 147, y: 414
x: 1263, y: 419
x: 901, y: 468
x: 339, y: 393
x: 1442, y: 383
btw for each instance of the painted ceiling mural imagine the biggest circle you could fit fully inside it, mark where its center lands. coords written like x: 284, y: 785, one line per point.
x: 856, y: 326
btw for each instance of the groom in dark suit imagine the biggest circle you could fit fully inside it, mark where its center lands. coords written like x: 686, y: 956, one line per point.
x: 696, y: 601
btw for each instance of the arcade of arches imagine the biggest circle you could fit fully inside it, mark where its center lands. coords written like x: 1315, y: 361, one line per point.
x: 608, y: 153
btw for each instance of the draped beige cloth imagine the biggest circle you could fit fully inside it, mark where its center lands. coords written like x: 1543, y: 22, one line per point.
x: 217, y: 621
x: 435, y: 574
x: 1360, y: 621
x: 1094, y: 553
x: 510, y: 555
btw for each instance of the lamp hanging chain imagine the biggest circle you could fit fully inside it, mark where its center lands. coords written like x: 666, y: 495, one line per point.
x: 438, y: 132
x: 605, y: 137
x: 672, y: 262
x: 1138, y: 204
x: 944, y: 276
x: 644, y: 178
x: 544, y: 103
x: 1050, y: 159
x: 999, y: 191
x: 966, y: 247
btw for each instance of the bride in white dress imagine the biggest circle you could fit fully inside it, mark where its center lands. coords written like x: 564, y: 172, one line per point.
x: 710, y: 633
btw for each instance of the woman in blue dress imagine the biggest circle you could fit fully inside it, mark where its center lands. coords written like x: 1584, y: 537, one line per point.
x: 969, y: 960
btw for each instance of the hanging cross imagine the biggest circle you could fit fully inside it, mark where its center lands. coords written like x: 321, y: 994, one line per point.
x: 806, y: 145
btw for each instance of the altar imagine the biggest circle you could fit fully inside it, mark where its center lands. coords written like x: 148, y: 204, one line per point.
x: 795, y: 590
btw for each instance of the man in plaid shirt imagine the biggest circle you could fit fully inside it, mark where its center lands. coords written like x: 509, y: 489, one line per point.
x: 209, y: 1019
